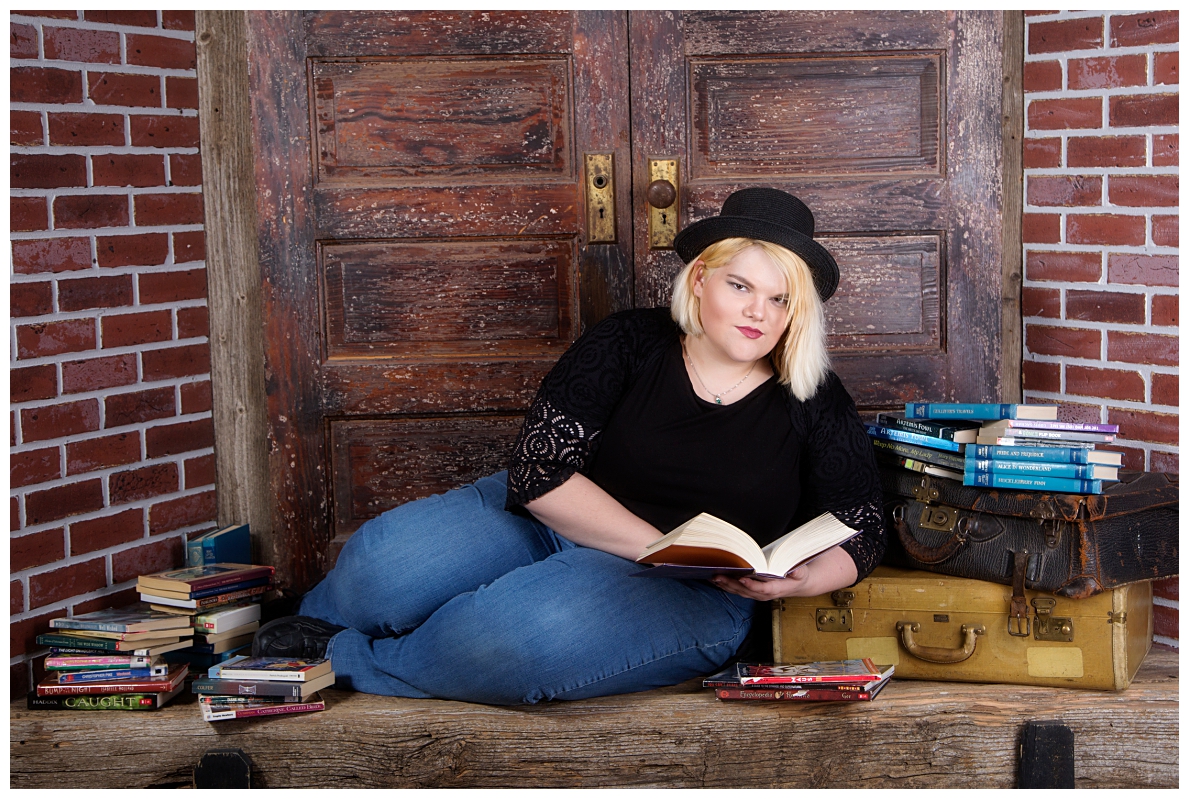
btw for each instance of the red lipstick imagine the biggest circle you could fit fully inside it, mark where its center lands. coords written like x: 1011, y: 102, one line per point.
x: 750, y: 332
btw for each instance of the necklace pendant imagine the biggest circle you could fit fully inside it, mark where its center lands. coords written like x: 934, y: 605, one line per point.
x: 718, y: 399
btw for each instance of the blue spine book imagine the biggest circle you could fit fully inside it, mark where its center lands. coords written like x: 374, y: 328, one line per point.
x: 1064, y: 485
x: 229, y: 545
x: 888, y: 434
x: 977, y: 410
x: 1049, y: 468
x: 194, y: 549
x: 71, y: 677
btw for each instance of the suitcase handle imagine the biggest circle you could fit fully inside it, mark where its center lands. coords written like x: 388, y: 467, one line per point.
x: 918, y: 551
x: 937, y: 654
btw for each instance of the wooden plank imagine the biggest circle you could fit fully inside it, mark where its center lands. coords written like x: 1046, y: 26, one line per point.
x: 233, y: 277
x: 915, y: 735
x: 1012, y: 333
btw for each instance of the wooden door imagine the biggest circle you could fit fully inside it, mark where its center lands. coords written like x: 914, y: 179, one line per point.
x: 888, y: 125
x: 422, y: 245
x: 422, y: 216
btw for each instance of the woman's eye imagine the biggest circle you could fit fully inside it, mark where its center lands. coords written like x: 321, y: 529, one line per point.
x: 739, y: 287
x: 781, y: 301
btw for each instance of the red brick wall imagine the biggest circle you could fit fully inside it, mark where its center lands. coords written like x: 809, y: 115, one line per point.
x: 111, y: 444
x: 1100, y: 231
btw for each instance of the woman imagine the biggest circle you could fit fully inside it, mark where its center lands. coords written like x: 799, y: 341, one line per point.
x: 519, y: 588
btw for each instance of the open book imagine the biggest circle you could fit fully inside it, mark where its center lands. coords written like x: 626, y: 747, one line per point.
x: 706, y: 546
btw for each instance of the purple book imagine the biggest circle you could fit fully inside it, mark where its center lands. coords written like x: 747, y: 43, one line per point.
x: 1040, y: 424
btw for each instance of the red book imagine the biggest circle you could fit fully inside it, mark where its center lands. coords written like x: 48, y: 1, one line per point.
x: 51, y: 687
x: 796, y: 693
x: 200, y: 578
x: 829, y: 671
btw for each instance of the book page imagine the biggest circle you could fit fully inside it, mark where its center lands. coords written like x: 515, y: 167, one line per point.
x: 808, y: 540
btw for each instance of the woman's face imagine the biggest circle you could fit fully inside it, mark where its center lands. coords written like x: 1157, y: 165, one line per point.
x: 743, y: 305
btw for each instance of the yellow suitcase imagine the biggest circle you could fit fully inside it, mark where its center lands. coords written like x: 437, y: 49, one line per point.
x: 935, y: 627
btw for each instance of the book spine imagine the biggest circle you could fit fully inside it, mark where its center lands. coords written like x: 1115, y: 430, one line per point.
x: 275, y: 710
x: 936, y: 457
x: 246, y: 688
x: 806, y: 681
x: 256, y: 676
x: 1059, y: 435
x: 959, y: 410
x: 102, y: 644
x: 89, y: 626
x: 194, y: 550
x: 104, y: 702
x: 791, y: 694
x: 912, y: 438
x: 926, y: 427
x: 1045, y: 424
x: 67, y: 677
x: 106, y: 688
x: 109, y: 661
x: 1040, y: 482
x: 1031, y: 467
x: 1023, y: 441
x: 1043, y: 454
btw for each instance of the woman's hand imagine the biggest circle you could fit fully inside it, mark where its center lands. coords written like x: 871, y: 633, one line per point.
x: 831, y: 570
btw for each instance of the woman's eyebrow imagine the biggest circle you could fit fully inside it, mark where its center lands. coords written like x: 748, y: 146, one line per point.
x: 744, y: 281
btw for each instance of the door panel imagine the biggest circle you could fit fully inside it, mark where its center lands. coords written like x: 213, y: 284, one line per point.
x: 887, y: 125
x: 423, y: 248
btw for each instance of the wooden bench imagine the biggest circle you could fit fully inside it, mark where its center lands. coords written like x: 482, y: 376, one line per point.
x: 915, y: 735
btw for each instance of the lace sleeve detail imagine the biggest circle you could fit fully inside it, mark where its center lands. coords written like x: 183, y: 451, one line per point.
x: 550, y: 448
x: 840, y: 474
x: 867, y: 548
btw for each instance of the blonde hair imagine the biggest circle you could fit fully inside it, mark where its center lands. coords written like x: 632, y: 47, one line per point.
x: 799, y: 357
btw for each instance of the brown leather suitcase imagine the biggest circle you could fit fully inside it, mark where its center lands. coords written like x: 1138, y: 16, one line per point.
x: 934, y: 627
x: 1072, y: 545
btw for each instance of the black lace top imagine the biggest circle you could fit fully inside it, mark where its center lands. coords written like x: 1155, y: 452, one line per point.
x: 613, y: 366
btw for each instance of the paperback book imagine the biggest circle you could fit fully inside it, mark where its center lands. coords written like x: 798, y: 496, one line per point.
x: 1089, y: 471
x: 706, y: 545
x: 826, y: 671
x: 977, y: 410
x: 228, y: 618
x: 1054, y: 454
x: 131, y: 701
x: 267, y: 668
x: 76, y: 644
x: 262, y: 688
x: 935, y: 457
x: 903, y: 436
x: 75, y: 662
x: 200, y: 578
x: 202, y: 593
x: 1061, y: 485
x: 205, y: 602
x: 212, y: 712
x: 963, y: 432
x: 106, y: 675
x: 130, y: 619
x: 798, y: 694
x: 177, y: 674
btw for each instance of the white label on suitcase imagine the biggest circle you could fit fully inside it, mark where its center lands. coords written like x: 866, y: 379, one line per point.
x: 1053, y: 661
x: 880, y: 650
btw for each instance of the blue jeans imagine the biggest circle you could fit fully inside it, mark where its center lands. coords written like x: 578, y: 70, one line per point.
x: 454, y: 597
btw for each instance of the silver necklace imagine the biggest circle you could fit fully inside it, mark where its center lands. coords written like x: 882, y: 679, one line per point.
x: 717, y: 397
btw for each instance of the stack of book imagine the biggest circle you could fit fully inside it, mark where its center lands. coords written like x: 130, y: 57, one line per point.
x: 111, y: 660
x: 219, y: 601
x: 822, y: 681
x: 1025, y: 447
x: 933, y: 446
x: 246, y: 687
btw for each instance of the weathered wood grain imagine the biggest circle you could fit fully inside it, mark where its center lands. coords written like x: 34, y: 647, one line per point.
x: 1012, y: 331
x: 915, y: 735
x: 713, y: 32
x: 233, y: 278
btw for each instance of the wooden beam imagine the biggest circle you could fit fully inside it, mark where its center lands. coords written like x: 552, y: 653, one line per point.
x: 1012, y: 330
x: 233, y: 277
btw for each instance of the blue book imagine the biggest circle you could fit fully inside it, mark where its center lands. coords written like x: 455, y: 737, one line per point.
x: 1053, y: 454
x: 231, y: 544
x: 905, y: 437
x: 1063, y: 485
x: 977, y: 410
x: 1080, y: 471
x: 72, y: 677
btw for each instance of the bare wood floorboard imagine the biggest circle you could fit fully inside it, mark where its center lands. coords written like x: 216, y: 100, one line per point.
x: 915, y: 735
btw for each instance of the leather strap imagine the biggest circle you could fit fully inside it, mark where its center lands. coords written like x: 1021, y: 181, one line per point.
x: 922, y: 553
x: 1018, y: 623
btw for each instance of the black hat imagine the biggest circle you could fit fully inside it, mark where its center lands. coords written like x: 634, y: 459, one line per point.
x: 767, y: 215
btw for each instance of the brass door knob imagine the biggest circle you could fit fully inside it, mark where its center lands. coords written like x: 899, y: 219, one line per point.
x: 660, y: 194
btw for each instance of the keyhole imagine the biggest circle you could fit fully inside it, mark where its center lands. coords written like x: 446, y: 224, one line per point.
x: 664, y: 219
x: 602, y: 211
x: 600, y: 181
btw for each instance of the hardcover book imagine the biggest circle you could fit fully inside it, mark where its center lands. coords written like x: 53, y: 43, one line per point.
x: 135, y: 701
x: 1041, y: 424
x: 148, y: 635
x: 201, y: 593
x: 130, y: 619
x: 76, y: 662
x: 1089, y: 471
x: 947, y: 460
x: 270, y: 688
x: 963, y: 432
x: 999, y: 429
x: 920, y: 466
x: 266, y: 668
x: 199, y: 578
x: 1062, y: 485
x: 977, y: 410
x: 706, y: 545
x: 101, y: 675
x: 1024, y: 441
x: 1050, y: 454
x: 232, y: 544
x: 51, y: 687
x: 891, y: 434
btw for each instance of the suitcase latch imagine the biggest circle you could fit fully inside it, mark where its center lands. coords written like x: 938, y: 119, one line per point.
x: 939, y: 518
x: 838, y: 619
x: 1116, y: 618
x: 1049, y: 627
x: 926, y: 492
